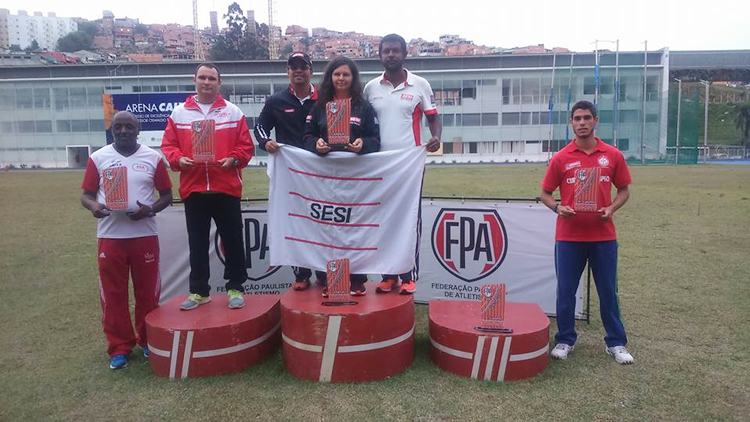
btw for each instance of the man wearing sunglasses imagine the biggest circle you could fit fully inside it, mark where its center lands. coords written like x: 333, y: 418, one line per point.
x: 285, y: 112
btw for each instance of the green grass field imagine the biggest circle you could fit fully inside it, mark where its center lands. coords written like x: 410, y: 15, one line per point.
x: 684, y: 293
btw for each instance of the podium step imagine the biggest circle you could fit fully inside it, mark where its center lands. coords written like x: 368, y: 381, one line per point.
x: 212, y: 339
x: 367, y: 341
x: 457, y: 347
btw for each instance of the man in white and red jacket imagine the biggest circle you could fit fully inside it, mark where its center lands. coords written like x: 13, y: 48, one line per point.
x: 210, y: 180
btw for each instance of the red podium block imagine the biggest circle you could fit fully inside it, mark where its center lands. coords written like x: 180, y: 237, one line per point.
x: 369, y: 341
x: 457, y: 347
x: 212, y: 339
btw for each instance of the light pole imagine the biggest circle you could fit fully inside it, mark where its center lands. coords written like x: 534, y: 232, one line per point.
x: 597, y: 70
x: 705, y: 121
x: 643, y: 103
x: 679, y: 103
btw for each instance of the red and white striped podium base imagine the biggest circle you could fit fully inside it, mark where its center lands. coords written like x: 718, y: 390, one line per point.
x: 369, y: 341
x: 212, y: 339
x: 457, y: 347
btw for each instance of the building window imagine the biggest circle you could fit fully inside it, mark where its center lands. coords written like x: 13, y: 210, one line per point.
x: 96, y: 125
x: 605, y: 116
x: 262, y: 89
x: 43, y: 126
x: 23, y: 98
x: 506, y: 91
x: 7, y: 127
x: 628, y: 116
x: 447, y: 147
x: 95, y: 96
x: 41, y: 98
x: 526, y: 118
x: 623, y: 144
x: 63, y: 125
x: 489, y: 119
x: 448, y: 119
x: 79, y: 125
x: 530, y: 93
x: 511, y: 119
x: 77, y: 97
x: 470, y: 119
x: 61, y: 98
x: 469, y: 89
x: 472, y: 147
x: 26, y: 126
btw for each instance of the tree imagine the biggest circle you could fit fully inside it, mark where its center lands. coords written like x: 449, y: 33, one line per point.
x: 75, y: 41
x: 237, y: 43
x: 141, y: 29
x: 34, y: 46
x: 88, y: 27
x: 286, y: 49
x: 15, y: 48
x: 742, y: 120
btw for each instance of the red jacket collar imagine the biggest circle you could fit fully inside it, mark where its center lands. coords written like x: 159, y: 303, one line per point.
x: 571, y: 147
x: 191, y: 103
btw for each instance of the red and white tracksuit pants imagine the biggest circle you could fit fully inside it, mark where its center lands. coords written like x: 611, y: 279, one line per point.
x: 119, y: 258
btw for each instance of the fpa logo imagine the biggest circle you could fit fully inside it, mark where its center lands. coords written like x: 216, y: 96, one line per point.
x: 469, y: 243
x: 255, y: 238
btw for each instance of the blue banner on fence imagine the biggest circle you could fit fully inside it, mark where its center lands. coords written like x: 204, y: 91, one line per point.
x: 151, y: 109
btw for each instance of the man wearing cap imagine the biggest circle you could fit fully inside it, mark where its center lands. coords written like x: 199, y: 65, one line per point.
x: 285, y: 112
x: 400, y: 98
x: 210, y: 188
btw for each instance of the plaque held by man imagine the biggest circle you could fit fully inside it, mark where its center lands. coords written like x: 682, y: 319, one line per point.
x: 492, y: 308
x: 337, y: 284
x: 203, y: 132
x: 585, y: 198
x: 115, y: 187
x: 338, y: 113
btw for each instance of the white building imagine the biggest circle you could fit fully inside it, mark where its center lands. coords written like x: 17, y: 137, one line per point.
x: 22, y: 29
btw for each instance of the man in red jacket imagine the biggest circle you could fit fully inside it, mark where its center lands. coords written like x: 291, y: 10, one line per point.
x: 207, y: 140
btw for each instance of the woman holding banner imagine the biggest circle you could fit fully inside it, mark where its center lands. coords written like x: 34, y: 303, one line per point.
x: 342, y: 120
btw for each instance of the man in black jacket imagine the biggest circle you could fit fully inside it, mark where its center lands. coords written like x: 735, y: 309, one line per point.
x: 285, y: 112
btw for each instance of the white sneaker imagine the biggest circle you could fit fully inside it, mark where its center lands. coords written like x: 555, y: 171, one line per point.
x: 561, y: 351
x: 621, y: 355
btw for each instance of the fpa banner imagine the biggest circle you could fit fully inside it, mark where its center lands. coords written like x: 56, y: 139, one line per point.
x: 463, y: 246
x: 151, y: 109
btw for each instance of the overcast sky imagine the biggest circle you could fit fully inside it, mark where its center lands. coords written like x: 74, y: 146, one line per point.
x: 574, y: 24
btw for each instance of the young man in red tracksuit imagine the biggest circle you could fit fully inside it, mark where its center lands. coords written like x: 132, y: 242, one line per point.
x: 585, y: 171
x: 210, y: 189
x: 118, y: 188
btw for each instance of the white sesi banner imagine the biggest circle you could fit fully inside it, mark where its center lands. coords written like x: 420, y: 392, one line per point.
x: 361, y: 207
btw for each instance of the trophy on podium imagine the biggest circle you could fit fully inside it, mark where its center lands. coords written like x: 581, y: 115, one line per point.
x: 586, y: 189
x: 337, y: 275
x: 115, y: 186
x: 338, y: 113
x: 492, y: 306
x: 203, y: 141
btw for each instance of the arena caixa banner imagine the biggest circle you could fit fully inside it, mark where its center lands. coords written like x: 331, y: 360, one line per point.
x: 463, y: 246
x: 151, y: 109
